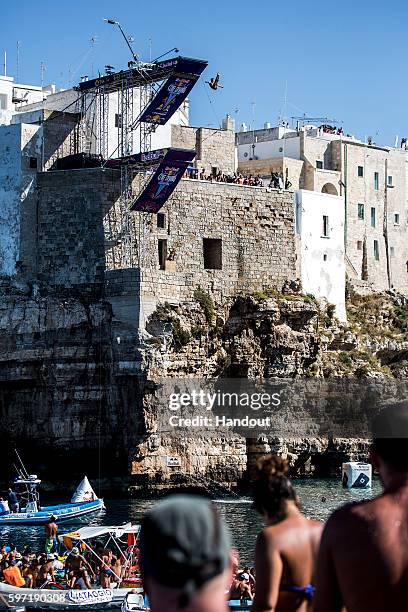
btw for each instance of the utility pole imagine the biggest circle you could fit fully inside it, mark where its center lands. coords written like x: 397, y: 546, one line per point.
x: 18, y: 62
x: 42, y: 72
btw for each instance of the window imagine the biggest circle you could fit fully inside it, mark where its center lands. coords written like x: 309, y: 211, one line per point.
x: 360, y: 211
x: 389, y: 181
x: 325, y: 257
x: 376, y: 181
x: 161, y: 220
x: 3, y: 102
x: 392, y: 252
x: 373, y: 217
x: 32, y: 163
x: 376, y: 251
x: 118, y: 120
x: 359, y: 245
x: 396, y: 218
x: 326, y: 229
x: 360, y: 171
x: 162, y: 254
x: 319, y: 164
x: 212, y: 251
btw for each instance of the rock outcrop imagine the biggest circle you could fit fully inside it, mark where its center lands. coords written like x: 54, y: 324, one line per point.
x: 78, y: 389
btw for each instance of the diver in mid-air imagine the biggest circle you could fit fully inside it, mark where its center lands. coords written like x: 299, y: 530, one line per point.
x: 214, y: 83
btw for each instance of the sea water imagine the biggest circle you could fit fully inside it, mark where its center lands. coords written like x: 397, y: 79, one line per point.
x: 318, y: 497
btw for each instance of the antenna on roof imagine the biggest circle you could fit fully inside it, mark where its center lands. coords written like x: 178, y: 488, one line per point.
x: 18, y: 61
x: 43, y: 68
x: 5, y: 63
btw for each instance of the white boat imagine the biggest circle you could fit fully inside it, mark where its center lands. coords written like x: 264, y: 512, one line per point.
x: 58, y: 598
x: 132, y: 602
x: 51, y: 599
x: 84, y: 503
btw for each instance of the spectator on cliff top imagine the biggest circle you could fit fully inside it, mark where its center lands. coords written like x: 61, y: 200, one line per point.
x: 363, y: 559
x: 185, y: 556
x: 286, y: 549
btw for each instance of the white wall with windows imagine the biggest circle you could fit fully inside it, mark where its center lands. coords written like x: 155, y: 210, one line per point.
x: 283, y: 147
x: 320, y: 226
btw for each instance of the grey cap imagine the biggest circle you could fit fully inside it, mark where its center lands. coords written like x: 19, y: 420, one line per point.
x: 184, y: 543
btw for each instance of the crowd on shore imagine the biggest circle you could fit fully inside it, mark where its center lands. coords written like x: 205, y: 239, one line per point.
x: 358, y: 561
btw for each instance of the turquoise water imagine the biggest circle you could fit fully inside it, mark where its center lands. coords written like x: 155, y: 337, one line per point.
x: 319, y: 498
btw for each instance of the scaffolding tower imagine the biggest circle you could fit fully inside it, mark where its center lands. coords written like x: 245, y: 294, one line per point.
x: 125, y: 244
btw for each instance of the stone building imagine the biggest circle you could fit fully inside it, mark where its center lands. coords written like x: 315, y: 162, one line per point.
x: 370, y: 180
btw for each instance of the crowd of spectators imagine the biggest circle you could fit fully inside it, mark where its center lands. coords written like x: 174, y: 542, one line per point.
x: 236, y: 177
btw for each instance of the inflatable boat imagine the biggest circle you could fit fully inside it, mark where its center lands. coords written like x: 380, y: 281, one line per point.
x: 84, y: 503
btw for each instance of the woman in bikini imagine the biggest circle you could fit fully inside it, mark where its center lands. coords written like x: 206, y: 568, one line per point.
x: 287, y: 547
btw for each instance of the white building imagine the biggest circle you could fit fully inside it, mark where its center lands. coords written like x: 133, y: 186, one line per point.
x: 320, y: 229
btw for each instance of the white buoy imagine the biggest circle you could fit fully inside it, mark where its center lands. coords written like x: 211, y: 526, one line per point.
x: 356, y: 475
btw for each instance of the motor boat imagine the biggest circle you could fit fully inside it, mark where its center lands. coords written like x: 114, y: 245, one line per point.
x: 84, y: 503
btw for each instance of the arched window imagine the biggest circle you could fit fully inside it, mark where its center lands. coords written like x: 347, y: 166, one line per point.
x: 329, y: 188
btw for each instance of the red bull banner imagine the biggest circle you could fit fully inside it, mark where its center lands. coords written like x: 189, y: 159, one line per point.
x: 164, y: 181
x: 174, y: 91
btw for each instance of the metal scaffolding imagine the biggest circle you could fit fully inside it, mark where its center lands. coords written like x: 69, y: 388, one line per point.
x: 125, y: 244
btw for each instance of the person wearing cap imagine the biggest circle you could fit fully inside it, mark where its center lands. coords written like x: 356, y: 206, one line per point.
x: 240, y: 587
x: 185, y: 556
x: 363, y: 558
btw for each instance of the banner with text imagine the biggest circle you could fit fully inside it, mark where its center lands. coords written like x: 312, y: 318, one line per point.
x: 173, y: 92
x: 164, y: 181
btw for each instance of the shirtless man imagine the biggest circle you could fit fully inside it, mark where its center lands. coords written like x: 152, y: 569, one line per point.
x: 76, y: 566
x: 46, y: 573
x: 363, y: 560
x: 51, y: 531
x: 105, y: 574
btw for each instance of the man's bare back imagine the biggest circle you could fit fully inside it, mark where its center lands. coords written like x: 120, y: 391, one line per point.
x: 51, y: 530
x: 375, y: 577
x: 363, y: 557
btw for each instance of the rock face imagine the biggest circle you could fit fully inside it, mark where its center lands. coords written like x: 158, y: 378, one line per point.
x: 78, y: 389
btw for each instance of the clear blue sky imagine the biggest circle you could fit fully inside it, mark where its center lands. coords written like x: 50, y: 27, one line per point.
x: 346, y: 59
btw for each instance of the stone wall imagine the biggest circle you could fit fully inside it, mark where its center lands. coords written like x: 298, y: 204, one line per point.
x: 20, y: 146
x: 70, y: 241
x: 215, y: 148
x: 255, y: 228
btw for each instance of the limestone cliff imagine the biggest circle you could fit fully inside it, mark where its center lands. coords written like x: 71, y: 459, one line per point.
x: 273, y: 335
x: 77, y: 387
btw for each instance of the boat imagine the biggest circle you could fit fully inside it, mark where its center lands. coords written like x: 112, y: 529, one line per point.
x: 132, y: 602
x: 57, y: 596
x: 84, y: 503
x: 51, y: 599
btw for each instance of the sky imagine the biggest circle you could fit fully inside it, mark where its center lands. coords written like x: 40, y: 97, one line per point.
x: 343, y: 60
